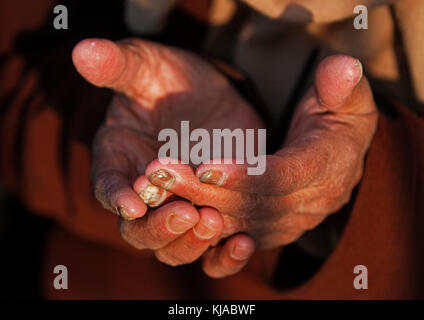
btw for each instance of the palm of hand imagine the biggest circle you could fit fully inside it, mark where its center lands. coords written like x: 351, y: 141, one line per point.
x: 157, y: 87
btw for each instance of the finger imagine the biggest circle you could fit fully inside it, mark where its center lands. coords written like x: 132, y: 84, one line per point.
x: 283, y: 174
x: 142, y: 70
x: 116, y: 65
x: 351, y: 112
x: 152, y: 195
x: 104, y: 63
x: 160, y: 226
x: 341, y: 87
x: 195, y: 242
x: 111, y: 175
x: 114, y: 168
x: 180, y: 179
x: 113, y: 190
x: 230, y: 258
x: 336, y: 77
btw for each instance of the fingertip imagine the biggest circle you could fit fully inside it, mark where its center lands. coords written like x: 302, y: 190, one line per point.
x: 184, y: 210
x: 336, y: 77
x: 99, y: 61
x: 210, y: 224
x: 130, y: 206
x: 230, y: 258
x: 241, y: 247
x: 152, y: 195
x: 213, y: 216
x: 341, y: 68
x: 168, y: 175
x: 212, y: 174
x: 131, y: 212
x: 180, y: 180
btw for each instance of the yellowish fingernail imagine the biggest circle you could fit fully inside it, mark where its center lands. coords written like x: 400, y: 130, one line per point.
x: 360, y: 71
x: 124, y: 214
x: 153, y: 196
x: 162, y: 178
x: 213, y: 177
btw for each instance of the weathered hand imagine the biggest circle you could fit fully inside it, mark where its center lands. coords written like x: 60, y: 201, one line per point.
x: 310, y: 177
x: 157, y: 87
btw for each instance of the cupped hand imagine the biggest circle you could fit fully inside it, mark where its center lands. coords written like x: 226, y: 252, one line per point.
x: 157, y: 87
x: 310, y: 177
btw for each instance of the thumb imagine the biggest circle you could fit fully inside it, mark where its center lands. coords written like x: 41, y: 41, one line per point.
x: 341, y: 87
x: 142, y: 70
x: 105, y: 63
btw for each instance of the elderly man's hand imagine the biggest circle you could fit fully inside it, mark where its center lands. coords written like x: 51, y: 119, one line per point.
x: 157, y: 87
x: 310, y: 177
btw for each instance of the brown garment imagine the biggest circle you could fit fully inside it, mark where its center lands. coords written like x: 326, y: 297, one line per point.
x: 48, y: 118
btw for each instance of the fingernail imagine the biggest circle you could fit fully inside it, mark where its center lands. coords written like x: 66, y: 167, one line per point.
x: 162, y: 178
x: 357, y: 72
x: 153, y: 196
x: 241, y: 252
x: 213, y: 177
x: 122, y: 213
x: 203, y: 231
x: 176, y: 224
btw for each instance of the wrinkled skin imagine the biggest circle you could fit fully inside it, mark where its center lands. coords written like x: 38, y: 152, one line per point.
x: 157, y: 87
x: 311, y: 176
